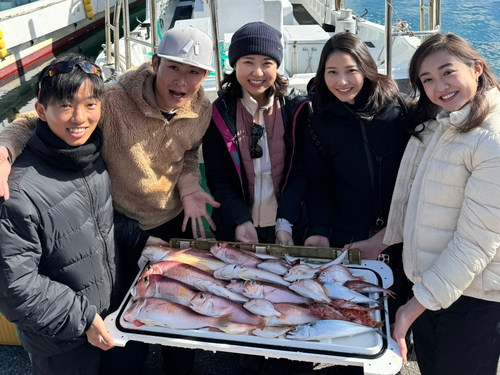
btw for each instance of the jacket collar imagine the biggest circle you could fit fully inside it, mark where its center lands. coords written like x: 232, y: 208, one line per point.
x: 456, y: 118
x: 139, y: 84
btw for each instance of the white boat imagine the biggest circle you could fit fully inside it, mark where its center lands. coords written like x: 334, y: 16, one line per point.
x: 31, y: 31
x: 302, y: 42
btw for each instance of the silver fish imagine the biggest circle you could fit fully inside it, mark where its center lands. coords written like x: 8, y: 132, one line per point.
x: 231, y: 271
x: 338, y: 291
x: 327, y: 329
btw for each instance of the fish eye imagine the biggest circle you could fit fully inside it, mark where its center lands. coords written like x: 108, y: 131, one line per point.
x: 150, y: 268
x: 322, y: 273
x: 253, y: 282
x: 202, y: 296
x: 146, y: 279
x: 219, y: 245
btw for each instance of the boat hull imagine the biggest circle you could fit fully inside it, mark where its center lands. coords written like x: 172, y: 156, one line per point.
x: 31, y: 40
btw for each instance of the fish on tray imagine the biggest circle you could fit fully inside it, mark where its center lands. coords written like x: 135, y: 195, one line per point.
x: 260, y: 306
x: 330, y: 312
x: 272, y: 293
x: 366, y: 287
x: 291, y: 314
x: 232, y: 255
x: 152, y: 311
x: 232, y: 271
x: 238, y: 328
x: 311, y: 289
x: 208, y: 304
x: 337, y: 273
x: 328, y: 329
x: 309, y: 271
x: 194, y: 277
x: 272, y: 332
x: 236, y: 286
x: 277, y: 266
x: 197, y: 258
x: 338, y: 291
x: 232, y: 248
x: 165, y: 288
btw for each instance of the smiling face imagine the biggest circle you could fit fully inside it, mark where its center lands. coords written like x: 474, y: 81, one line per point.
x: 256, y: 73
x: 75, y: 121
x: 176, y: 83
x: 343, y: 77
x: 447, y: 81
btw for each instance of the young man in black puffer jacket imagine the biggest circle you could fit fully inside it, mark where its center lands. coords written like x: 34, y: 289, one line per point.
x: 59, y: 235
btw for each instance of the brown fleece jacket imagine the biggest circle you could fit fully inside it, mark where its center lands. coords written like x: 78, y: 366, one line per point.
x: 152, y: 162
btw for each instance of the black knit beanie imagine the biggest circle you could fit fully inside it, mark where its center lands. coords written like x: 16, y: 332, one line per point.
x: 256, y: 38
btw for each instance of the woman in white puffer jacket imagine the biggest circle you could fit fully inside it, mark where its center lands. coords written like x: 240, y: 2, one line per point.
x: 446, y: 209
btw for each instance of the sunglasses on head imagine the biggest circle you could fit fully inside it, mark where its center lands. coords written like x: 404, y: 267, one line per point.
x: 256, y: 133
x: 65, y: 67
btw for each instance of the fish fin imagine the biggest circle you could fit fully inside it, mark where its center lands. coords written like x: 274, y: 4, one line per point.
x: 223, y: 321
x: 149, y: 322
x: 362, y: 278
x: 137, y: 323
x: 379, y: 324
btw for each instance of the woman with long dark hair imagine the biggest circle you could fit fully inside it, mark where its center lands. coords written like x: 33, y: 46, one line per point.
x: 354, y: 144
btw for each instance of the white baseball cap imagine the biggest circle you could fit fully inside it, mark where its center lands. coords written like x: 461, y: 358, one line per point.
x: 187, y: 45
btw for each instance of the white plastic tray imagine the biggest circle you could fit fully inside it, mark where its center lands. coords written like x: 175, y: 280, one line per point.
x: 375, y: 354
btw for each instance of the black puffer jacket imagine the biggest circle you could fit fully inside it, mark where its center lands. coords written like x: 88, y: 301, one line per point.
x: 58, y: 260
x: 223, y: 180
x: 343, y: 202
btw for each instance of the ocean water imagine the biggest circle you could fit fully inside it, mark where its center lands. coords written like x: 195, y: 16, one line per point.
x: 477, y: 21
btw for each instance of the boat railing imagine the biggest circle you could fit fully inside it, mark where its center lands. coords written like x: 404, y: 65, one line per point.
x: 122, y: 63
x: 434, y: 26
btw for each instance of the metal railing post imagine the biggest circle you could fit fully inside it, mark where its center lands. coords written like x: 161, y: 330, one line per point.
x: 388, y: 37
x: 438, y: 13
x: 126, y: 34
x: 116, y: 33
x: 422, y: 19
x: 107, y: 20
x: 215, y: 38
x: 154, y: 29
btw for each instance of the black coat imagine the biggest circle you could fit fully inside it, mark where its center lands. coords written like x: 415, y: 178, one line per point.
x: 58, y: 260
x: 343, y: 202
x: 223, y: 180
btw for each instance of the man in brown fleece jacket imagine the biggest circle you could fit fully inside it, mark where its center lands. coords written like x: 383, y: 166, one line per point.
x: 153, y: 121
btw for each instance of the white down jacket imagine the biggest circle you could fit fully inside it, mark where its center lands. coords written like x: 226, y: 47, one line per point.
x: 446, y: 209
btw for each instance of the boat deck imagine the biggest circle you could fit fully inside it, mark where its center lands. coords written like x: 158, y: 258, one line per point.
x: 302, y: 15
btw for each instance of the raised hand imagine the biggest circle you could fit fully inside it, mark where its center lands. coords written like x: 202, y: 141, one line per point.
x: 195, y: 208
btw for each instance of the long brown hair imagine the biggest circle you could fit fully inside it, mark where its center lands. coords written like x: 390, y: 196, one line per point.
x: 383, y: 89
x: 424, y: 109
